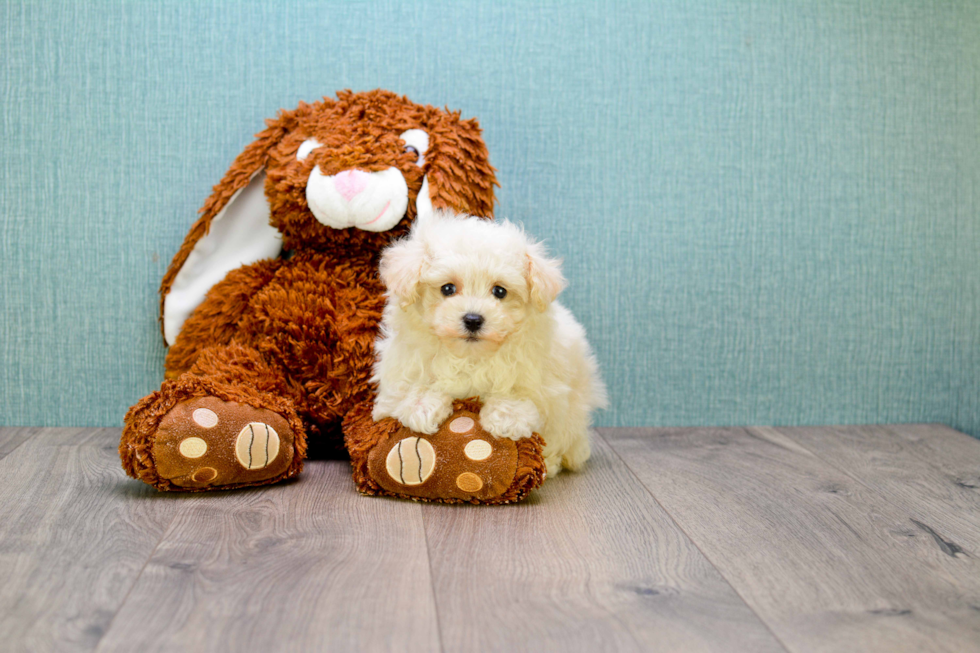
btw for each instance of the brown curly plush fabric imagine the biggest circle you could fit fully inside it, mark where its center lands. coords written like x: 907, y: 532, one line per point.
x: 294, y: 336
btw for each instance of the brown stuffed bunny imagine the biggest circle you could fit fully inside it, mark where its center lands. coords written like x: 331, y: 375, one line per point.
x: 271, y: 308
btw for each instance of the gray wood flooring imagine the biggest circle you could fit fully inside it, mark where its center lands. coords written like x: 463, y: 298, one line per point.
x: 709, y: 539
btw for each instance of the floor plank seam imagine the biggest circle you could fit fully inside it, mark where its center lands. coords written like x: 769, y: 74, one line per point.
x: 17, y: 446
x: 830, y: 463
x: 697, y: 546
x: 432, y: 580
x: 854, y: 477
x: 944, y: 545
x: 913, y: 450
x: 136, y: 580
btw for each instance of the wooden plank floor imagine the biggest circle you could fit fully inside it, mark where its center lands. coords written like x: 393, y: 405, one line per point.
x: 757, y: 539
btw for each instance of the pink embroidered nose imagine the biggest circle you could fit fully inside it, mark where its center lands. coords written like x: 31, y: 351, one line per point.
x: 350, y: 182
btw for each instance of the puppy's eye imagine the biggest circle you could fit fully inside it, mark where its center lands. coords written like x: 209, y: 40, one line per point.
x: 499, y: 292
x: 448, y: 290
x: 411, y: 150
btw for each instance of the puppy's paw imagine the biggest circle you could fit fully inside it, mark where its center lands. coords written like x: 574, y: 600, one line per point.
x: 577, y: 453
x: 510, y: 418
x: 425, y: 413
x: 553, y: 465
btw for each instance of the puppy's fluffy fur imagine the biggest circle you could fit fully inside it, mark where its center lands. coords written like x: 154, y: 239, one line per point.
x: 528, y: 360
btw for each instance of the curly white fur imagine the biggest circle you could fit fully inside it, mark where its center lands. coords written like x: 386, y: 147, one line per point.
x: 529, y: 362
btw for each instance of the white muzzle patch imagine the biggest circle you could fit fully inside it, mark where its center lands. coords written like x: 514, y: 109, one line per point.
x: 372, y: 201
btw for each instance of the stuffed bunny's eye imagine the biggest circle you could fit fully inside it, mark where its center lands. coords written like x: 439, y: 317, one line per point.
x: 448, y: 290
x: 308, y: 146
x: 416, y: 142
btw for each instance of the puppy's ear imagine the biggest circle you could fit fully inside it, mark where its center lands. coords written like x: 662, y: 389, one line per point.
x: 544, y: 277
x: 401, y: 269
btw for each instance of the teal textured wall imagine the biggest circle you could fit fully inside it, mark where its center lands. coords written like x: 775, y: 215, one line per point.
x: 769, y: 211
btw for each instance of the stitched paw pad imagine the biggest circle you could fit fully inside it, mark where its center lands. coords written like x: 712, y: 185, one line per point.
x: 207, y: 442
x: 460, y: 461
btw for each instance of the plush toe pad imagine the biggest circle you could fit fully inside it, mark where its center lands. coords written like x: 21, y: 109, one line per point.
x: 460, y: 461
x: 411, y: 461
x: 207, y: 442
x: 257, y: 445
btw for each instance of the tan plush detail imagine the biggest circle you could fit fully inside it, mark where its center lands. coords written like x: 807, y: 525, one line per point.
x: 469, y: 482
x: 205, y: 418
x: 411, y: 461
x: 257, y: 445
x: 193, y: 447
x: 462, y: 425
x: 393, y: 463
x: 478, y: 450
x: 205, y: 475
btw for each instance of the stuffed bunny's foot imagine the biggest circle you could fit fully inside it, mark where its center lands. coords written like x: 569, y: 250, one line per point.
x: 459, y: 462
x: 207, y: 442
x: 203, y: 443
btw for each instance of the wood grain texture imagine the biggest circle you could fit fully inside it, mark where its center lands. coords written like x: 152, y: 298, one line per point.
x: 11, y: 438
x: 827, y: 562
x: 74, y: 535
x: 956, y: 454
x: 307, y: 565
x: 943, y: 506
x: 759, y: 539
x: 589, y: 563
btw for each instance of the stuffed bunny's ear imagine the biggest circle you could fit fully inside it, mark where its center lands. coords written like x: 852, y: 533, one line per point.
x: 240, y: 234
x: 233, y: 231
x: 423, y: 203
x: 459, y: 177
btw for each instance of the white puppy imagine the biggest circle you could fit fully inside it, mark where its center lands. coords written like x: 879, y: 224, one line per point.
x: 471, y: 312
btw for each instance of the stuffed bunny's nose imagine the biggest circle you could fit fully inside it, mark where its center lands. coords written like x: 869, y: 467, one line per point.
x: 350, y: 182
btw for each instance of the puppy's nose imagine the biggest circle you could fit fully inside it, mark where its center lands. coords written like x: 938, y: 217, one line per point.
x: 472, y: 322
